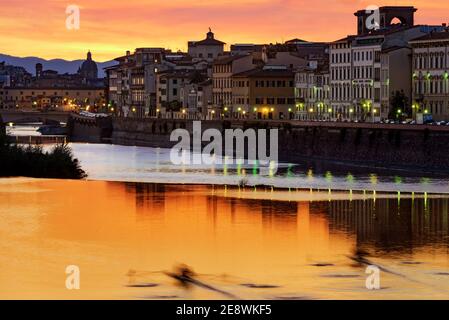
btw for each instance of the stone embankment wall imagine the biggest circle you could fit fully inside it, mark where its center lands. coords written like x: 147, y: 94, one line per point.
x: 154, y: 132
x: 414, y: 147
x: 92, y: 130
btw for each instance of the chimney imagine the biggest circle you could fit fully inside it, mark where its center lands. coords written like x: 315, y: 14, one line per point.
x: 128, y: 53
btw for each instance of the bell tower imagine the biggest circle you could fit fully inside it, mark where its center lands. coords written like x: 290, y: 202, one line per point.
x: 384, y: 17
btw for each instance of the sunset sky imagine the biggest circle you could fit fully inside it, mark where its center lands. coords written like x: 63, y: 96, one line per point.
x: 109, y: 28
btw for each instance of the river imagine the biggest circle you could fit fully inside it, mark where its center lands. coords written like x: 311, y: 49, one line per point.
x: 138, y: 217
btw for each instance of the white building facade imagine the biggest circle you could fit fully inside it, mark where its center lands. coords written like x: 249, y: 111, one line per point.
x: 431, y: 75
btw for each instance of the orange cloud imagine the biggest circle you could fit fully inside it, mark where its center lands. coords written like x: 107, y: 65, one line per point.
x: 108, y: 28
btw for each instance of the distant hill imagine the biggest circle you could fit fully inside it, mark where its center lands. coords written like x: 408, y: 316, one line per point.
x: 60, y: 65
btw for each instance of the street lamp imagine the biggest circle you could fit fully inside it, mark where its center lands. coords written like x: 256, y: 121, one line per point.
x: 415, y: 110
x: 311, y: 113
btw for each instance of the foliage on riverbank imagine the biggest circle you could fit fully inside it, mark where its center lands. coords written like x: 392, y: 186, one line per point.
x: 34, y: 162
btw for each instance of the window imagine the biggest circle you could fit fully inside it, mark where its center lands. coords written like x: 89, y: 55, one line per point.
x: 259, y: 100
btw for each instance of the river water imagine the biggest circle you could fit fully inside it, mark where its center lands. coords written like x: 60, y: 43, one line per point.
x: 138, y: 217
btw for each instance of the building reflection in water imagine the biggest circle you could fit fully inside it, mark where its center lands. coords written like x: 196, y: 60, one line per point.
x: 389, y: 225
x: 393, y: 224
x: 109, y: 228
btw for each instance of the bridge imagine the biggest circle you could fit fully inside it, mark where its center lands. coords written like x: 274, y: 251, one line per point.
x: 18, y: 116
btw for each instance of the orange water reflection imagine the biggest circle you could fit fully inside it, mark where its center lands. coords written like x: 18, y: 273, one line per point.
x: 110, y: 229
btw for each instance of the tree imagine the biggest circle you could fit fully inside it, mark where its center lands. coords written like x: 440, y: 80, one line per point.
x: 399, y: 105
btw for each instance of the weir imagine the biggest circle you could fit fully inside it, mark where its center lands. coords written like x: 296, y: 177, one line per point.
x: 38, y: 139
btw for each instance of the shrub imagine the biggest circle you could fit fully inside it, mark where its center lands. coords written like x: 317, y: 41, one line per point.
x: 32, y: 161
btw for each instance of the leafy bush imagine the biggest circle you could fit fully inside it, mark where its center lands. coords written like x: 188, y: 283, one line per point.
x: 32, y: 161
